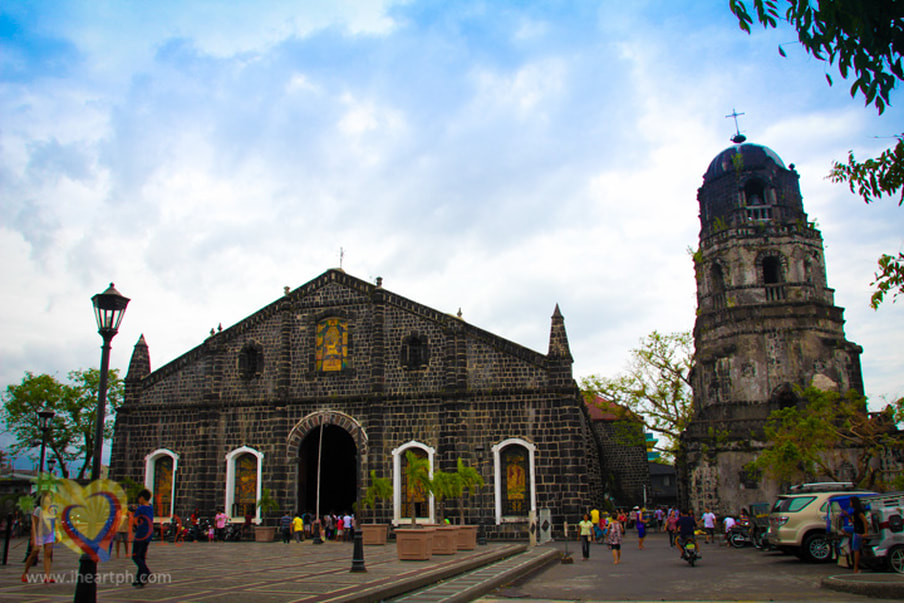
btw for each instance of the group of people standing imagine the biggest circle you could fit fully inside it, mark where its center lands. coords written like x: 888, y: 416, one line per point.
x: 610, y: 529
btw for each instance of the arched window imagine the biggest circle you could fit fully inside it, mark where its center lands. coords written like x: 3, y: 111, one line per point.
x: 251, y: 361
x: 515, y: 479
x: 423, y: 501
x: 160, y: 478
x: 718, y: 286
x: 757, y: 208
x: 772, y: 270
x: 243, y: 482
x: 772, y: 278
x: 331, y: 352
x: 414, y: 353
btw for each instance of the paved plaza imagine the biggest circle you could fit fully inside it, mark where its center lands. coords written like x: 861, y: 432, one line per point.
x: 277, y: 573
x: 260, y: 572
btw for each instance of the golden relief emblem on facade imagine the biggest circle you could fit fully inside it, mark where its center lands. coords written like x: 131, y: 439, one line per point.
x: 332, y: 345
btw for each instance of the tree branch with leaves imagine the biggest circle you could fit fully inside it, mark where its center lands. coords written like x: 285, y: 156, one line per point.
x: 70, y: 438
x: 826, y: 437
x: 655, y: 389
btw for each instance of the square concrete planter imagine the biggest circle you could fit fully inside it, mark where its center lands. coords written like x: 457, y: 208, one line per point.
x: 445, y: 540
x: 414, y: 544
x: 264, y: 533
x: 467, y: 538
x: 374, y: 533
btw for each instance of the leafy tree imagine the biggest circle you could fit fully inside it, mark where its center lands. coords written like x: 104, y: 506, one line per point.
x: 655, y: 389
x: 864, y: 38
x: 70, y: 438
x: 828, y: 436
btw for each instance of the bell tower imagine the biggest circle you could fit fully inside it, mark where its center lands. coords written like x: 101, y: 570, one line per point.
x: 766, y: 321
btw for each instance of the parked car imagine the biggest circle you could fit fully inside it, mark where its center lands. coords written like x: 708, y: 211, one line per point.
x: 798, y: 520
x: 887, y: 523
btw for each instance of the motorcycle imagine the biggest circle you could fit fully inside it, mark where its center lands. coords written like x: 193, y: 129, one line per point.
x: 739, y: 536
x: 690, y: 552
x: 232, y: 533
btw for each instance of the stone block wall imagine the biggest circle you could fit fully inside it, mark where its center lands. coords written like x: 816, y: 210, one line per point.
x: 476, y: 390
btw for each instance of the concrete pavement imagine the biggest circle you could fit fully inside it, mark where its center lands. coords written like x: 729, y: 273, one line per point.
x: 277, y: 573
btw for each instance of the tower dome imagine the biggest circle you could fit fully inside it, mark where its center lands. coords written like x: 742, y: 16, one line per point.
x: 751, y: 156
x: 748, y: 185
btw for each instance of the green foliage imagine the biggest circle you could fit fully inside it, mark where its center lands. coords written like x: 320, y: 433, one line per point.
x: 876, y: 177
x: 131, y: 488
x: 267, y: 502
x: 862, y: 38
x: 889, y: 278
x: 468, y: 480
x: 26, y: 504
x: 71, y: 436
x: 827, y: 433
x: 655, y: 390
x: 443, y: 485
x: 417, y: 474
x: 380, y: 488
x: 872, y: 179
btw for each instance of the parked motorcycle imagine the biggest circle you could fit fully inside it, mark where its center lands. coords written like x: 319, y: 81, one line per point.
x: 739, y: 536
x: 233, y: 532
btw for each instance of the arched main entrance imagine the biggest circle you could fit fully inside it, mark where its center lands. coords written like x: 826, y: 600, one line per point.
x: 326, y: 443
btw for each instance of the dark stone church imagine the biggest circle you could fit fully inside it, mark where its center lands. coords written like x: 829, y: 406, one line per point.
x: 340, y: 372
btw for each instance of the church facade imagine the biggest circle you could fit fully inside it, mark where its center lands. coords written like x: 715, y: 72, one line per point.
x: 767, y: 325
x: 340, y: 377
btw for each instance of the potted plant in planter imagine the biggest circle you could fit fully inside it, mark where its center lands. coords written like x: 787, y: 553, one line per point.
x: 267, y: 504
x: 380, y: 488
x: 445, y: 540
x: 415, y: 543
x: 467, y: 482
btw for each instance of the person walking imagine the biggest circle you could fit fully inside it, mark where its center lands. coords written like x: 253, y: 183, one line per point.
x: 709, y: 525
x: 43, y: 535
x: 298, y: 528
x: 285, y: 527
x: 641, y: 524
x: 585, y: 534
x: 141, y: 538
x: 614, y: 538
x: 671, y: 525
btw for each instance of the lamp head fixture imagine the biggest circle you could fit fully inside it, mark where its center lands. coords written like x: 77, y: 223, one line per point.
x: 109, y: 308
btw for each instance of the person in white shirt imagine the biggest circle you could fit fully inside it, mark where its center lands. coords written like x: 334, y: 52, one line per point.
x: 728, y: 523
x: 709, y: 524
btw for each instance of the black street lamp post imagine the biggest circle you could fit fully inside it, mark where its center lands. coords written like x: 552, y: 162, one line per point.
x: 481, y: 531
x: 109, y: 308
x: 44, y: 419
x: 358, y: 551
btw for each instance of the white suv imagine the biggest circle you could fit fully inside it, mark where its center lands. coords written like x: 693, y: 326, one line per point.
x: 797, y: 522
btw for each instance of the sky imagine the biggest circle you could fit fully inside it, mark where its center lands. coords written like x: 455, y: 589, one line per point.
x: 497, y: 157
